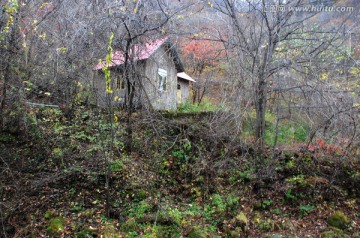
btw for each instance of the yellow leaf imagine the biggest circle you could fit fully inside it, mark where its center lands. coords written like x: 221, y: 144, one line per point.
x: 43, y: 36
x: 116, y: 119
x: 324, y: 76
x: 43, y: 5
x: 61, y: 49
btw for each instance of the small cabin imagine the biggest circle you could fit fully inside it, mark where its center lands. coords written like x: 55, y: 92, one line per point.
x: 157, y: 74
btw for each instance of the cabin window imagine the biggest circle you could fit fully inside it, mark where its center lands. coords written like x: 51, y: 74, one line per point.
x: 119, y: 83
x: 162, y: 74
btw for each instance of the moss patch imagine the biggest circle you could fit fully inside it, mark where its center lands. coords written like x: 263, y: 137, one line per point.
x: 339, y: 220
x: 55, y: 225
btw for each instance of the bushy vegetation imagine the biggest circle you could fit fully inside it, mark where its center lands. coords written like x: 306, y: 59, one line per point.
x: 204, y: 106
x: 282, y: 131
x: 276, y: 156
x: 183, y: 183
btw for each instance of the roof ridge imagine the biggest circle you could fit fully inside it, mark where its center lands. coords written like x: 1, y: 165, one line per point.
x: 142, y: 51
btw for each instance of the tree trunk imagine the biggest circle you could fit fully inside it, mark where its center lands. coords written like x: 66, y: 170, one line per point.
x: 3, y: 95
x: 129, y: 109
x: 7, y: 72
x: 260, y: 106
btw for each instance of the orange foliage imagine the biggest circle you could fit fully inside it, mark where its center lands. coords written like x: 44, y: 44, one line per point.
x: 199, y: 54
x: 326, y: 147
x: 205, y: 50
x: 321, y: 143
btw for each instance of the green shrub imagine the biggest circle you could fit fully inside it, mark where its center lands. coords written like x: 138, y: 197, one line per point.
x: 232, y: 201
x: 334, y: 233
x: 130, y: 225
x: 109, y: 231
x: 301, y: 132
x: 86, y: 233
x: 55, y: 225
x: 219, y: 203
x: 287, y: 131
x: 264, y: 205
x: 298, y: 180
x: 57, y: 153
x: 305, y: 210
x: 116, y: 165
x: 241, y: 221
x: 241, y: 177
x: 338, y: 220
x: 198, y: 232
x: 49, y: 214
x: 140, y: 209
x: 172, y: 214
x: 204, y: 106
x: 7, y: 138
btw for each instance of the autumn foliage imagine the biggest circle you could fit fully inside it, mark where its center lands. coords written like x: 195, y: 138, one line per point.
x: 324, y: 147
x: 200, y: 54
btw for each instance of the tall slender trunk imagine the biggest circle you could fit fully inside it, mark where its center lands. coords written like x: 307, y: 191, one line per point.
x: 260, y: 106
x: 129, y: 108
x: 7, y: 73
x: 129, y: 96
x: 261, y: 97
x: 4, y: 94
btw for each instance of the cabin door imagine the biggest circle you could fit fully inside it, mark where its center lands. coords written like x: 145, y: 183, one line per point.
x: 178, y: 94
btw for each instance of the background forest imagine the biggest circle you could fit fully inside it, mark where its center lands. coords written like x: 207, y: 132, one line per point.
x: 267, y: 145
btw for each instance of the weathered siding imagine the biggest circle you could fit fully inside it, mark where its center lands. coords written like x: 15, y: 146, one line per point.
x: 185, y: 89
x: 104, y: 99
x: 147, y: 72
x: 160, y: 100
x: 99, y: 85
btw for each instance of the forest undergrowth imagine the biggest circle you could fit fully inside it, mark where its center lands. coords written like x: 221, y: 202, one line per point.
x: 180, y: 180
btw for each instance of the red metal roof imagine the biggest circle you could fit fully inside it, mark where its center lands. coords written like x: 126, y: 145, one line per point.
x: 141, y: 52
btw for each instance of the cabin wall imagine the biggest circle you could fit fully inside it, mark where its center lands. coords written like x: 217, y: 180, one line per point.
x: 185, y: 89
x: 160, y: 100
x: 104, y: 99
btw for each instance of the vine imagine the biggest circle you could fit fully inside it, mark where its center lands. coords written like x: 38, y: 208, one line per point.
x: 9, y: 10
x: 106, y: 69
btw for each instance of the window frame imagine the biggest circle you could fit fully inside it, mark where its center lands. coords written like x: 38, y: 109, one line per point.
x: 120, y: 84
x: 162, y: 78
